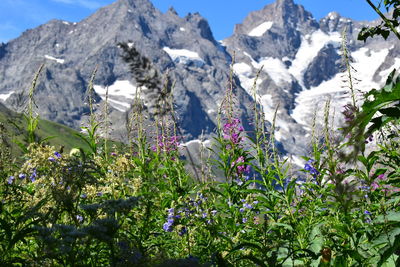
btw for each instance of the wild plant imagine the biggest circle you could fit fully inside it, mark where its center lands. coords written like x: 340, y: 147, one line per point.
x: 139, y: 206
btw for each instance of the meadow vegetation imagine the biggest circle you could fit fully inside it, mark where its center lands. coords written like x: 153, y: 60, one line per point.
x: 138, y: 205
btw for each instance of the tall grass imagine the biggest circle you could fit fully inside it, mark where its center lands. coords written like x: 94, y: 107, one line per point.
x: 139, y: 206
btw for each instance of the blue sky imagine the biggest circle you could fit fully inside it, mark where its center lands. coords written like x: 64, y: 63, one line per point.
x: 17, y: 16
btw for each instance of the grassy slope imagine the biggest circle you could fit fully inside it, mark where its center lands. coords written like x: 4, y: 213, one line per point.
x: 15, y: 130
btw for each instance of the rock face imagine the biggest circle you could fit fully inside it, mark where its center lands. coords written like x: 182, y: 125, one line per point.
x: 301, y: 60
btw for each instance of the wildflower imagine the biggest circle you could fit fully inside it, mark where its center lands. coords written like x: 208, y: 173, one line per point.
x: 21, y: 176
x: 10, y: 179
x: 308, y: 167
x: 366, y: 212
x: 213, y: 212
x: 51, y: 159
x: 57, y: 154
x: 244, y: 220
x: 33, y: 176
x: 113, y: 154
x: 166, y: 144
x: 381, y: 177
x: 182, y: 231
x: 374, y: 186
x: 247, y: 206
x: 241, y: 210
x: 99, y: 194
x: 83, y: 196
x: 349, y: 112
x: 232, y: 130
x: 241, y: 168
x: 168, y: 226
x: 171, y: 210
x: 79, y: 218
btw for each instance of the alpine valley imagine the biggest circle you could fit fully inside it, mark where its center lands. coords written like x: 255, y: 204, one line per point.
x: 300, y: 57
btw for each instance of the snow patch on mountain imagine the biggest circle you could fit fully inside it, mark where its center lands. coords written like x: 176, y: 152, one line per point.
x: 275, y: 68
x: 183, y: 56
x: 311, y: 44
x: 4, y: 97
x: 58, y: 60
x: 268, y: 107
x: 261, y: 29
x: 366, y: 63
x: 196, y: 142
x: 245, y: 75
x: 384, y: 74
x: 120, y: 94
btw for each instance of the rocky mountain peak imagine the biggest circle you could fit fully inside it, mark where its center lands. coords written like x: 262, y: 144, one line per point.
x: 285, y: 3
x: 284, y: 14
x: 172, y: 11
x: 137, y: 3
x: 202, y: 24
x: 335, y: 22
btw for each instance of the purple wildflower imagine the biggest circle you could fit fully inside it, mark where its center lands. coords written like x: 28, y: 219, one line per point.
x: 10, y: 179
x: 57, y: 154
x: 182, y: 231
x: 244, y: 220
x: 21, y: 176
x: 366, y: 212
x: 33, y: 176
x: 374, y: 186
x: 167, y: 227
x: 309, y: 167
x: 247, y: 206
x: 349, y: 112
x: 232, y: 130
x: 51, y: 159
x: 381, y: 177
x: 166, y: 144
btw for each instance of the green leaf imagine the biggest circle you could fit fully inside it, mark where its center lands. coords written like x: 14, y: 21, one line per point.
x: 391, y: 216
x: 316, y: 239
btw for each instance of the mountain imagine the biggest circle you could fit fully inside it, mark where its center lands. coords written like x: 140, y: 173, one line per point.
x: 301, y: 61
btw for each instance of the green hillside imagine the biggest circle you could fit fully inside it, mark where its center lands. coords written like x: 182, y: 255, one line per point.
x: 14, y: 125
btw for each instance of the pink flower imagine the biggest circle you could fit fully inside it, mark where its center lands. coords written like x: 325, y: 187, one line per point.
x: 381, y: 177
x: 374, y: 186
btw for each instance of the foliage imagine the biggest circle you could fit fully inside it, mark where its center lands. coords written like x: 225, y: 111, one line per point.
x: 139, y: 206
x: 387, y: 25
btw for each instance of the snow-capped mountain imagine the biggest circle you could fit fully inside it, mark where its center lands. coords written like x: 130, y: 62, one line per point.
x: 301, y: 60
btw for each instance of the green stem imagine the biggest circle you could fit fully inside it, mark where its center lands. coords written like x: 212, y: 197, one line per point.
x: 387, y: 21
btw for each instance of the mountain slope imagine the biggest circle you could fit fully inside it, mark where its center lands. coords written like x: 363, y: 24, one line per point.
x: 15, y: 131
x: 301, y: 60
x: 302, y: 65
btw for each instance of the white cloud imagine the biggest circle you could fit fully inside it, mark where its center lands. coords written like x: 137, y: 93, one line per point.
x: 90, y: 4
